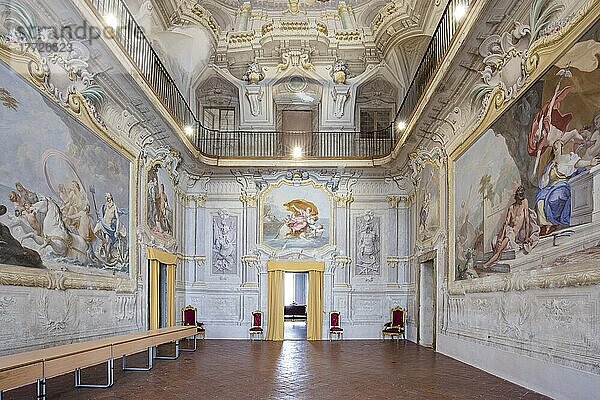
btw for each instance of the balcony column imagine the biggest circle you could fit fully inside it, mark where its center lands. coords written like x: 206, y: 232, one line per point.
x: 397, y: 259
x: 403, y: 212
x: 244, y: 16
x: 186, y: 208
x: 393, y: 218
x: 345, y: 17
x: 196, y: 237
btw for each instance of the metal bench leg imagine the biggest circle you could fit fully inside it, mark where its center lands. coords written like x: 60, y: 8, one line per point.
x: 41, y: 389
x: 109, y: 381
x: 148, y: 368
x: 175, y: 357
x: 184, y: 349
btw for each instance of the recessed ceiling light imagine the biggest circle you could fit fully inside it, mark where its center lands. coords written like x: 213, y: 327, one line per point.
x: 297, y: 152
x: 111, y: 20
x: 460, y: 12
x: 189, y: 130
x: 401, y: 125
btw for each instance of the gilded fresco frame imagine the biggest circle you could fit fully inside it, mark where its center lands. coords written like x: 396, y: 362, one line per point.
x: 28, y: 65
x: 543, y: 53
x: 278, y: 184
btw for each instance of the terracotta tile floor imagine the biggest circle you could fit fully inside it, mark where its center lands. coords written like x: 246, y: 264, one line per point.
x: 228, y: 369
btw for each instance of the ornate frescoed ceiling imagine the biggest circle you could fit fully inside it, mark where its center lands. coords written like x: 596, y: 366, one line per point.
x: 240, y: 32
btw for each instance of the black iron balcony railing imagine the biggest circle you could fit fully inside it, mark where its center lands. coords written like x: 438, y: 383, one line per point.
x: 130, y: 36
x: 258, y: 144
x: 452, y: 16
x: 271, y: 144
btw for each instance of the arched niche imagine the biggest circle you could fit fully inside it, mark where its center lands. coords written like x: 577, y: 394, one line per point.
x: 297, y: 93
x: 376, y: 104
x: 218, y: 103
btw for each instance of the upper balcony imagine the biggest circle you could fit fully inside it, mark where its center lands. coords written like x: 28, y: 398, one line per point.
x: 285, y: 146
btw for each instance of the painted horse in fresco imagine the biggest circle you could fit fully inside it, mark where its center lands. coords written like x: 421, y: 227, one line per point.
x: 56, y: 235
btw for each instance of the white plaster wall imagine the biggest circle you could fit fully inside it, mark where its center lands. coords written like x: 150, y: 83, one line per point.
x: 33, y: 317
x: 556, y: 381
x: 225, y: 301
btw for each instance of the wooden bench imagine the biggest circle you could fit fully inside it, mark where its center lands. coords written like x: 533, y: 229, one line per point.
x: 20, y: 370
x: 39, y: 365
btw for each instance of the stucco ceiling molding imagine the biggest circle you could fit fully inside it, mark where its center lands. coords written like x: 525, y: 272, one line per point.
x: 395, y: 22
x: 192, y: 13
x: 278, y: 35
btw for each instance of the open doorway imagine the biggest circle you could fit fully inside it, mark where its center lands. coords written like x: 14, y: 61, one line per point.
x: 427, y: 304
x: 295, y: 299
x: 314, y: 298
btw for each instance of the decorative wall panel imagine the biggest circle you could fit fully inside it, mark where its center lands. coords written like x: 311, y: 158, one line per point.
x: 368, y: 244
x: 224, y: 246
x: 160, y: 196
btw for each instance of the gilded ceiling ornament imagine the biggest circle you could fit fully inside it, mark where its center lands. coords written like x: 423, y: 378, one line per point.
x: 340, y: 72
x: 254, y: 73
x: 294, y: 7
x: 295, y: 58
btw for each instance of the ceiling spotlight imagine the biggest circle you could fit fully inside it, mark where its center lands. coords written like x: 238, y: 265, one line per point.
x: 297, y: 152
x: 189, y: 130
x: 111, y: 20
x: 460, y: 12
x: 401, y: 125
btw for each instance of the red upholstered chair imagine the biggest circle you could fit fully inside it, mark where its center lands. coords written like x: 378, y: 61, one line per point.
x: 334, y: 325
x: 397, y: 325
x: 256, y: 329
x: 189, y: 317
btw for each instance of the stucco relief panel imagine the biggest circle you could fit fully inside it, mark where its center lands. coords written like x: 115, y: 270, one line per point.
x: 224, y: 243
x: 368, y: 244
x: 367, y: 308
x: 533, y: 322
x: 223, y: 307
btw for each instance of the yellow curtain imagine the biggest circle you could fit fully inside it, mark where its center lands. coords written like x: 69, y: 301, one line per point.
x: 157, y: 257
x: 153, y: 298
x: 275, y: 320
x: 295, y: 266
x: 170, y: 295
x: 314, y: 318
x: 161, y: 255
